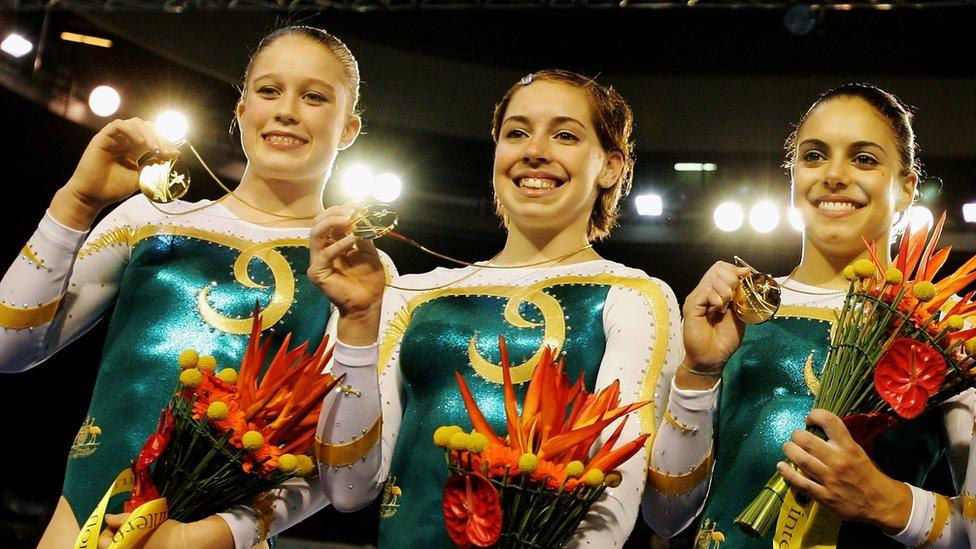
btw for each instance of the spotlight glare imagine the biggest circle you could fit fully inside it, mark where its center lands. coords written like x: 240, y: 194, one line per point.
x: 358, y: 181
x: 919, y: 216
x: 104, y: 101
x: 728, y: 216
x: 387, y: 187
x: 969, y: 212
x: 172, y: 126
x: 16, y: 45
x: 764, y: 217
x: 709, y: 167
x: 796, y: 220
x: 649, y: 204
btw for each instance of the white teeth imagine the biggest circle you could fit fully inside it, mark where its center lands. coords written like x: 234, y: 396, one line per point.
x: 283, y: 140
x: 836, y: 206
x: 537, y: 183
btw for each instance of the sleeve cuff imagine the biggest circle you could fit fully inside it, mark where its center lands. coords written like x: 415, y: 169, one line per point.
x: 353, y: 356
x: 59, y: 235
x: 693, y: 400
x: 920, y: 521
x: 243, y: 526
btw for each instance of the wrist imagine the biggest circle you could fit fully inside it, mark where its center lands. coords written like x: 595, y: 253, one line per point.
x: 694, y: 377
x: 359, y: 328
x: 893, y: 509
x: 74, y: 210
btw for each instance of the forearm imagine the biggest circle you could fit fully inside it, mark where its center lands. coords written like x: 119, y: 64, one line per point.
x: 350, y: 424
x: 681, y: 461
x: 936, y: 521
x: 32, y: 291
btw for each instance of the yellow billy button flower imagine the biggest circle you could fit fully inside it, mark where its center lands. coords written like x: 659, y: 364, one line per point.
x: 613, y: 479
x: 477, y: 443
x: 188, y: 359
x: 207, y: 363
x: 894, y: 275
x: 575, y: 468
x: 217, y: 410
x: 528, y: 462
x: 442, y: 436
x: 458, y: 440
x: 924, y: 290
x: 594, y: 477
x: 228, y: 375
x: 252, y: 440
x: 304, y: 466
x: 849, y: 272
x: 287, y: 463
x: 191, y: 377
x: 955, y: 322
x: 971, y: 346
x: 864, y: 268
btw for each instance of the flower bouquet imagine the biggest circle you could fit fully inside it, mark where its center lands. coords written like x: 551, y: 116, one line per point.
x: 900, y: 347
x: 225, y: 438
x: 532, y: 488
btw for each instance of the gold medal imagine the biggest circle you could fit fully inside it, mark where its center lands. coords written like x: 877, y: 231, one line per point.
x: 373, y: 221
x: 159, y: 181
x: 757, y: 298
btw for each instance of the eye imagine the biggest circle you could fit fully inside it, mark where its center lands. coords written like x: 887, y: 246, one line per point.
x: 515, y: 133
x: 267, y: 91
x: 316, y: 98
x: 813, y: 155
x: 566, y: 136
x: 865, y: 160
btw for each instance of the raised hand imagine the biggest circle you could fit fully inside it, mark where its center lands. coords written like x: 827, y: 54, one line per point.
x: 108, y: 171
x: 711, y: 331
x: 349, y: 272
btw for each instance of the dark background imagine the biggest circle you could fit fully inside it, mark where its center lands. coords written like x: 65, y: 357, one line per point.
x: 708, y: 84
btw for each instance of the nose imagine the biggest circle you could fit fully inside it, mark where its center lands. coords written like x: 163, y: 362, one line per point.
x: 837, y: 175
x: 536, y: 150
x: 287, y: 109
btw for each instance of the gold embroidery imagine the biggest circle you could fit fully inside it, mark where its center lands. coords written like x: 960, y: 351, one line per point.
x: 278, y: 305
x: 648, y: 289
x: 678, y: 424
x: 340, y: 455
x: 708, y: 537
x: 29, y: 254
x: 673, y: 485
x: 939, y: 521
x: 809, y: 377
x: 969, y: 507
x: 19, y: 318
x: 284, y: 278
x: 86, y: 441
x: 116, y: 236
x: 805, y: 311
x: 391, y: 494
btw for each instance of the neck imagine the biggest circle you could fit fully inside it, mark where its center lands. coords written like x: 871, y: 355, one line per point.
x: 824, y: 269
x: 264, y: 202
x: 526, y: 247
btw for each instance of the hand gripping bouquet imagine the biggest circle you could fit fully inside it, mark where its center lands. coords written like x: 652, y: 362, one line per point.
x: 225, y: 438
x: 533, y: 487
x: 900, y: 347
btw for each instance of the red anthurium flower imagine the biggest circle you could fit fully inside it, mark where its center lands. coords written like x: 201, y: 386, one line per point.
x: 472, y: 512
x: 907, y: 375
x: 865, y: 428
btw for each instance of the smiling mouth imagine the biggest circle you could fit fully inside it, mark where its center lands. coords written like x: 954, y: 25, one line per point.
x: 538, y: 183
x: 283, y: 140
x: 835, y: 206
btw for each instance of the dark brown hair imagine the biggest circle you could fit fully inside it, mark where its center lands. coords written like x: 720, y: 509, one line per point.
x: 614, y: 123
x: 898, y: 114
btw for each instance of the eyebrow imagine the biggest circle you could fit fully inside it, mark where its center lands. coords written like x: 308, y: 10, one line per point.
x: 856, y: 144
x: 311, y: 79
x: 557, y: 120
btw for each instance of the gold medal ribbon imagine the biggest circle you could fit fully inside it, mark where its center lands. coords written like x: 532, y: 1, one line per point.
x: 141, y: 522
x: 805, y: 525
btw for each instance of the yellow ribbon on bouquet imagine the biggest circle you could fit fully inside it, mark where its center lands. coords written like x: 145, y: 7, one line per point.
x: 141, y: 522
x: 805, y: 525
